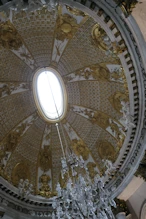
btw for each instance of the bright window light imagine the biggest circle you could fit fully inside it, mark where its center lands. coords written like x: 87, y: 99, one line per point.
x: 50, y: 94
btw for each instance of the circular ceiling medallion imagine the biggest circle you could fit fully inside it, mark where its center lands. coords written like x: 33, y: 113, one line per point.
x: 50, y: 94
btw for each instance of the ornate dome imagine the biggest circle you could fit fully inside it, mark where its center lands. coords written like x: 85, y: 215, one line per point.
x: 96, y: 54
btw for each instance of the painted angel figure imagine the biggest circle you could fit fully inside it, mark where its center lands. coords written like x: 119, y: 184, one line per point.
x: 127, y: 117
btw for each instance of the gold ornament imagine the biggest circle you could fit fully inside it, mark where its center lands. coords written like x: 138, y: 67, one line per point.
x: 118, y: 75
x: 45, y: 190
x: 9, y: 38
x: 45, y: 158
x: 66, y: 26
x: 97, y: 36
x: 117, y: 49
x: 106, y: 150
x: 80, y: 149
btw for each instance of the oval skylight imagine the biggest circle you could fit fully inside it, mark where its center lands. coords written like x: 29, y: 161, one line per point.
x: 50, y: 94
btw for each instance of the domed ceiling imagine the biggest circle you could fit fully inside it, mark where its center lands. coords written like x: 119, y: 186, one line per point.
x: 92, y: 58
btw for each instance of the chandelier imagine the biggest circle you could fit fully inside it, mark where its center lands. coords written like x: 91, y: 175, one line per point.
x: 82, y: 196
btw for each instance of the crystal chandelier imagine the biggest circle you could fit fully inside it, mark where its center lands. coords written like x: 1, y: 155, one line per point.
x: 82, y: 197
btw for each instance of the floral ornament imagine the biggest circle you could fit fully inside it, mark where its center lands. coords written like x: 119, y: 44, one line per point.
x: 66, y: 26
x: 80, y: 149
